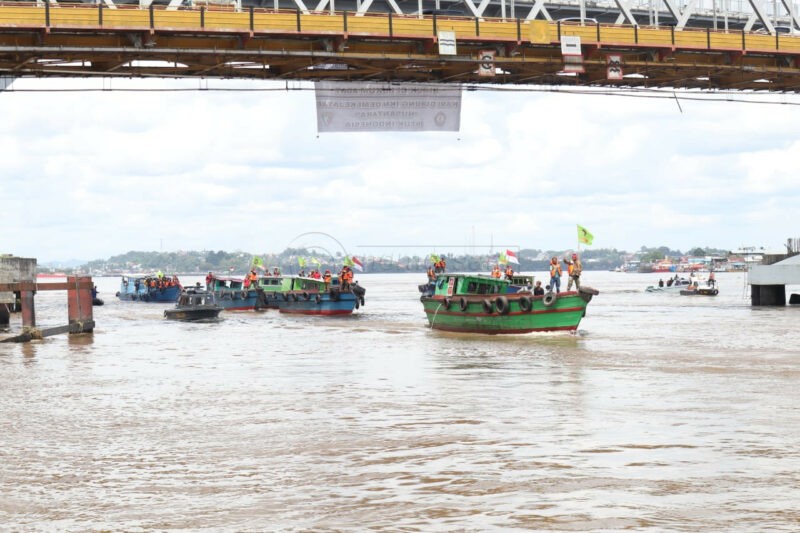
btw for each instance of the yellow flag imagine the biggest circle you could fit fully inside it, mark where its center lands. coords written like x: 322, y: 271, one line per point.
x: 584, y: 236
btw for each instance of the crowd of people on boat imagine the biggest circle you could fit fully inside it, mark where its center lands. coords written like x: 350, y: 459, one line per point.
x: 345, y: 277
x: 158, y: 282
x: 573, y: 271
x: 691, y: 282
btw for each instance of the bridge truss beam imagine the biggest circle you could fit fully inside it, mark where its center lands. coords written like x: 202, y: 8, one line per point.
x: 265, y: 45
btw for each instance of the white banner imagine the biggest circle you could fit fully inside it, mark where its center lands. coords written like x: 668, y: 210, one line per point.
x: 377, y: 106
x: 447, y: 43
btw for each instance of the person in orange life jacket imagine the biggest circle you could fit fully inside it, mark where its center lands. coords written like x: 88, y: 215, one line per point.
x: 496, y: 272
x: 509, y: 272
x: 555, y: 275
x: 431, y: 274
x: 348, y: 277
x: 252, y: 279
x: 327, y: 278
x: 574, y: 269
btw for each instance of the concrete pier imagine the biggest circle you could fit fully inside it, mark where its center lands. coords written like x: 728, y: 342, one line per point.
x: 15, y: 270
x: 18, y: 281
x: 768, y: 281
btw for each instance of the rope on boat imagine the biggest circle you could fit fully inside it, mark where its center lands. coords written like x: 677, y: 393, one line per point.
x: 434, y: 315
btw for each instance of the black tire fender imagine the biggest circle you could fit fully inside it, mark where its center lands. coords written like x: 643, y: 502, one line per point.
x: 306, y: 296
x: 446, y: 304
x: 463, y: 304
x: 501, y: 304
x: 525, y: 304
x: 317, y: 298
x: 487, y: 306
x: 549, y: 298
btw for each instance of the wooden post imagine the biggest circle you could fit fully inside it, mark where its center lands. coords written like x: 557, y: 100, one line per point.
x: 79, y: 303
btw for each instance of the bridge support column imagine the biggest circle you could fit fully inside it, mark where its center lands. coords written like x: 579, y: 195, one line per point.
x: 767, y: 295
x: 79, y: 304
x: 28, y: 309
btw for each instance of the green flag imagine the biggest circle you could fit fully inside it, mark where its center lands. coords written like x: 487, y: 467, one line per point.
x: 435, y: 258
x: 301, y: 261
x: 502, y: 259
x: 257, y: 261
x: 348, y: 261
x: 584, y: 236
x: 316, y: 262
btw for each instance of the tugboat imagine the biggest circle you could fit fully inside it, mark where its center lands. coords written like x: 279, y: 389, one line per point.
x: 194, y: 304
x: 472, y: 303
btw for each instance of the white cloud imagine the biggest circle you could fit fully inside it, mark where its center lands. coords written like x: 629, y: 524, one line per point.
x: 95, y: 174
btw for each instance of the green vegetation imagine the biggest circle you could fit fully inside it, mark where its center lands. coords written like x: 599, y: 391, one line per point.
x: 238, y: 262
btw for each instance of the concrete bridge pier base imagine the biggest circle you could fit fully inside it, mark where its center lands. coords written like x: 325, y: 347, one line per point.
x: 5, y: 315
x: 768, y: 295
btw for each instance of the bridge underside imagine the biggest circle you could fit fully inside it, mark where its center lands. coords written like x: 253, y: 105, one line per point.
x: 92, y: 41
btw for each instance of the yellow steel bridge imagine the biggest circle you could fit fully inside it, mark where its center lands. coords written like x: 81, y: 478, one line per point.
x: 222, y: 42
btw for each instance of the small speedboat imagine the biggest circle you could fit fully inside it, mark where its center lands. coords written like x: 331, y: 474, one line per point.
x: 696, y: 290
x: 194, y: 304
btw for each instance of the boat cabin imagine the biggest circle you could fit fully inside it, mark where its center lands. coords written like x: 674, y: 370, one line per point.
x: 196, y: 299
x: 462, y: 284
x: 232, y: 284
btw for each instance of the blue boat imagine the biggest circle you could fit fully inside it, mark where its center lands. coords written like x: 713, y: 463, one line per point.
x: 309, y: 296
x: 232, y: 295
x: 149, y: 289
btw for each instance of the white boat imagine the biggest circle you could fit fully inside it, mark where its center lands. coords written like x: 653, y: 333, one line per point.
x: 671, y: 285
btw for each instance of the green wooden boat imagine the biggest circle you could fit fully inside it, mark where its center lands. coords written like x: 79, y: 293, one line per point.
x: 474, y: 303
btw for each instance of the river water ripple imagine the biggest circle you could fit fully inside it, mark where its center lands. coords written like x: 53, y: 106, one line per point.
x: 664, y: 413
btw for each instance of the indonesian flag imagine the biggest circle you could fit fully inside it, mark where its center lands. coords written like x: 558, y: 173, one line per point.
x: 357, y: 264
x: 511, y: 257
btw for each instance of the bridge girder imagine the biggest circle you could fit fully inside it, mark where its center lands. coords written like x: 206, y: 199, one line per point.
x: 270, y: 46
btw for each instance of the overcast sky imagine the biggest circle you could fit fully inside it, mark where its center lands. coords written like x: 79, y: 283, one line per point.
x: 88, y: 175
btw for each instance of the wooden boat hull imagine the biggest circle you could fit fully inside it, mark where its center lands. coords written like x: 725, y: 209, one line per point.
x: 192, y: 314
x: 169, y: 294
x: 317, y: 303
x: 238, y: 300
x: 702, y: 291
x: 506, y: 314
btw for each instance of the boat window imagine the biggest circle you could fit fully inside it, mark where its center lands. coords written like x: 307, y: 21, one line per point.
x: 471, y: 287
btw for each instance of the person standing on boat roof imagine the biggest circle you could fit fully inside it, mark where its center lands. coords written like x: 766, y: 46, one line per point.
x: 327, y: 278
x: 712, y: 281
x: 574, y: 269
x: 555, y: 275
x: 509, y: 272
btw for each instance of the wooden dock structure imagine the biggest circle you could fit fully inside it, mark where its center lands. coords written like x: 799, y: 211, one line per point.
x: 18, y: 277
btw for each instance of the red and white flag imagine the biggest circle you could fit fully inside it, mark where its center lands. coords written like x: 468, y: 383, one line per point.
x: 511, y: 257
x: 358, y: 265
